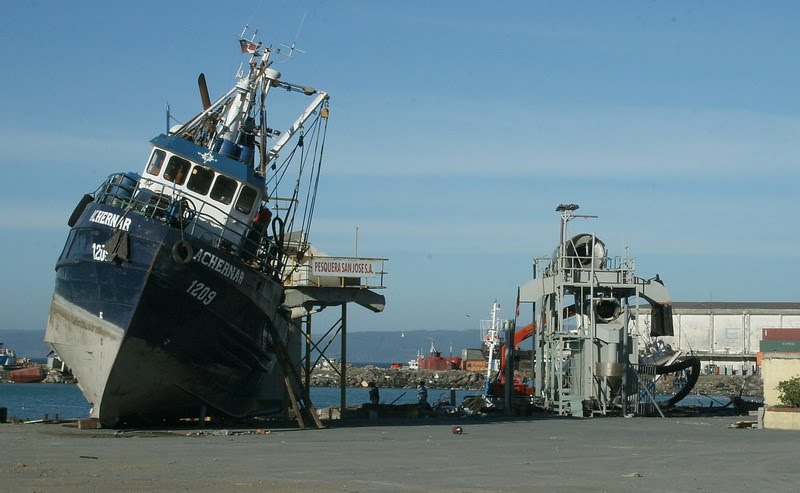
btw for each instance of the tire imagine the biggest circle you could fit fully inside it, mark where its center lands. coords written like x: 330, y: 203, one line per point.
x: 182, y: 252
x: 76, y: 214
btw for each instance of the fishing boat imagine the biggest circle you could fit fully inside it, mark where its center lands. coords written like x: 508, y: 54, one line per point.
x: 435, y: 361
x: 8, y: 357
x: 169, y: 291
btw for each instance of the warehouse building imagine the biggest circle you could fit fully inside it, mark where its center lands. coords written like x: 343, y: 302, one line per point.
x: 725, y: 335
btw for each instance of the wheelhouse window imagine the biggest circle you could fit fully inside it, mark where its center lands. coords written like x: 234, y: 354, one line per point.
x: 156, y: 161
x: 200, y: 180
x: 67, y: 245
x: 247, y: 197
x: 177, y: 169
x: 223, y: 189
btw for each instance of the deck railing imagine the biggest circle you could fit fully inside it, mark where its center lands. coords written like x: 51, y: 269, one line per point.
x: 258, y: 245
x: 580, y: 269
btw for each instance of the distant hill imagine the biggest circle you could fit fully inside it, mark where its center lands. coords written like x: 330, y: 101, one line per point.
x: 362, y: 347
x: 26, y: 343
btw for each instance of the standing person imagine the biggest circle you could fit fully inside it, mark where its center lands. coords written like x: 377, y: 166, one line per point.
x: 374, y: 394
x: 422, y: 394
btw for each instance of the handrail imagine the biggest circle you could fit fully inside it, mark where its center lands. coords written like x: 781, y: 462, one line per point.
x: 253, y: 247
x: 608, y: 264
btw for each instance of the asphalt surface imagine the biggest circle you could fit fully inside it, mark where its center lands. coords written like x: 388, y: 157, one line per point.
x: 526, y: 454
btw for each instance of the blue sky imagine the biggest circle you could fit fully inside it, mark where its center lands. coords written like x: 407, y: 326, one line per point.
x: 455, y: 130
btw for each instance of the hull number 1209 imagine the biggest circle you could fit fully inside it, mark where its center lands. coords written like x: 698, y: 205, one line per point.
x: 99, y: 252
x: 203, y: 293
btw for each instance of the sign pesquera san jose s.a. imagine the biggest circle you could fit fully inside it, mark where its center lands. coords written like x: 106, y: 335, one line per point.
x: 344, y: 267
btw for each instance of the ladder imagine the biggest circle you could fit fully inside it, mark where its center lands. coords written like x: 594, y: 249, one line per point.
x: 303, y: 408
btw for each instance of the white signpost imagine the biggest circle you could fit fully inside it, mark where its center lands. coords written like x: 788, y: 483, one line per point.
x: 345, y: 267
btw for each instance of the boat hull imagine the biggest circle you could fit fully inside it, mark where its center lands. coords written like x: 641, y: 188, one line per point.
x: 144, y: 335
x: 31, y: 374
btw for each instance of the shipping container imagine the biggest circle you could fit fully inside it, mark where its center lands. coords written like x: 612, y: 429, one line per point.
x: 789, y: 346
x: 780, y: 334
x: 471, y: 354
x: 476, y: 366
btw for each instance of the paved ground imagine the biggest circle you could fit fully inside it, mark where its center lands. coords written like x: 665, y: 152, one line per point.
x: 536, y: 454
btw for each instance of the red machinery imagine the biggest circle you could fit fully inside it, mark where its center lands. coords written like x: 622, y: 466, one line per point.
x: 496, y: 387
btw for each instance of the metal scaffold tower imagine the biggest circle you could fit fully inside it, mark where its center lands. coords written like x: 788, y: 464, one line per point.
x: 585, y: 353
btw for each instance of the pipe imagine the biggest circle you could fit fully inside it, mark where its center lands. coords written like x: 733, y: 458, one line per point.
x: 508, y: 388
x: 692, y: 362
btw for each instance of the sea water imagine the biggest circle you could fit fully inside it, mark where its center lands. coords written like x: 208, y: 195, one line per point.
x: 34, y: 400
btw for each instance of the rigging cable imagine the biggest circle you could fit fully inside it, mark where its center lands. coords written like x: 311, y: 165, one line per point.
x: 290, y: 221
x: 311, y: 196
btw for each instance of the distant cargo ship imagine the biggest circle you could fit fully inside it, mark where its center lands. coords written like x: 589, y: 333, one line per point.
x: 435, y: 361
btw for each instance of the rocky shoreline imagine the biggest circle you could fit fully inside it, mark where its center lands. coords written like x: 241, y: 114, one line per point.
x: 51, y: 375
x: 397, y: 378
x: 327, y: 376
x: 747, y: 385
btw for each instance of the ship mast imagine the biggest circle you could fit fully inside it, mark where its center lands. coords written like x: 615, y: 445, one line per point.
x: 492, y: 341
x: 228, y: 125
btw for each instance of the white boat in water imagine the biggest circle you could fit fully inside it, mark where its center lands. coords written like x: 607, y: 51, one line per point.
x: 8, y: 357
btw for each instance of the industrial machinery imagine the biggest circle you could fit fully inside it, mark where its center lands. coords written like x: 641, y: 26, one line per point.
x: 586, y: 359
x: 496, y: 374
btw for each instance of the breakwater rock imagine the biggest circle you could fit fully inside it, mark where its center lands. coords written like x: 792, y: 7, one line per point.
x: 748, y: 385
x: 328, y: 376
x: 51, y: 375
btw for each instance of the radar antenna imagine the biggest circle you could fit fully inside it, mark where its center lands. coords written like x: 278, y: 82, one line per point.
x: 253, y: 37
x: 293, y: 47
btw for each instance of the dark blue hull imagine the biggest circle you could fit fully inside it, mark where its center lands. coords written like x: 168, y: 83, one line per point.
x: 153, y: 331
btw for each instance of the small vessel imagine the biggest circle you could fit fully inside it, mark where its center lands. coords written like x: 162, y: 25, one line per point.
x: 8, y: 357
x: 169, y: 291
x: 435, y: 361
x: 29, y: 374
x: 414, y: 363
x: 495, y: 346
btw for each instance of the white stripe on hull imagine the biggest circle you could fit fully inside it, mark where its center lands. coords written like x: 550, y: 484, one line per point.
x: 87, y: 344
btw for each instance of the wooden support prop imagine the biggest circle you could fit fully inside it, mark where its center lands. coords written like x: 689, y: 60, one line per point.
x: 297, y: 411
x: 292, y: 380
